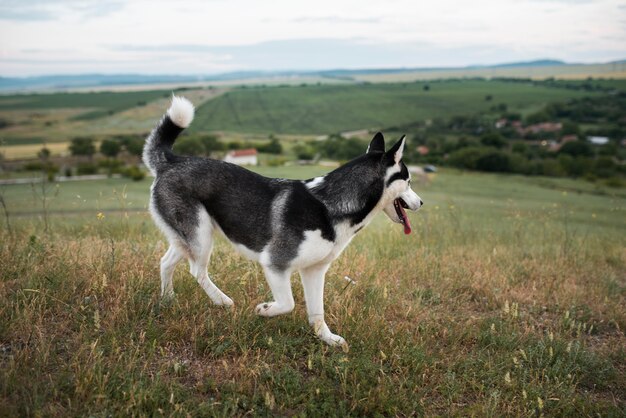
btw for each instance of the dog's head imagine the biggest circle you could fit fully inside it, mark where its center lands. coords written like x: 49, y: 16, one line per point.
x: 397, y: 195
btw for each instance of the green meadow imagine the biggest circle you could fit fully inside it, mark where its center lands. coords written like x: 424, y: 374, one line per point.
x: 506, y: 300
x: 327, y: 109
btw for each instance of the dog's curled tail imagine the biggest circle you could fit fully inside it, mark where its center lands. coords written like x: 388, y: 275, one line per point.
x: 161, y: 139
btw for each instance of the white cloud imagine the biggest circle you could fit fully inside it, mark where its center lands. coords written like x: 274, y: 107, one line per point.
x: 196, y: 36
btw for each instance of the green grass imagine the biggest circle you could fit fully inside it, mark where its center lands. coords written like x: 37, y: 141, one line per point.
x: 99, y: 104
x: 507, y: 300
x: 327, y: 109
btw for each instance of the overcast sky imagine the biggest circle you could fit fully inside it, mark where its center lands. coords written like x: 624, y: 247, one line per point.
x: 212, y: 36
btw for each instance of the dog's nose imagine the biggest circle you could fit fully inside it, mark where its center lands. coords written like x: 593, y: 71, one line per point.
x: 421, y: 203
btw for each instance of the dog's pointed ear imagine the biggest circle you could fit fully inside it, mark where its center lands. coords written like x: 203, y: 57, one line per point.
x: 377, y: 144
x: 395, y: 153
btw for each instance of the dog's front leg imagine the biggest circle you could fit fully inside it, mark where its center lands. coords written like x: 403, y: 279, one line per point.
x: 313, y: 285
x: 280, y: 283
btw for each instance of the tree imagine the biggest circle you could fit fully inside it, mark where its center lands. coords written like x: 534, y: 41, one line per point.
x: 189, y: 146
x: 577, y: 149
x: 82, y: 146
x: 211, y: 143
x: 134, y: 146
x: 570, y: 128
x: 493, y: 139
x: 44, y: 153
x: 110, y: 147
x: 495, y: 161
x: 273, y: 147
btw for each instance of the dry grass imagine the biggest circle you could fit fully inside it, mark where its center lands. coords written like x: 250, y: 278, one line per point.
x: 481, y: 313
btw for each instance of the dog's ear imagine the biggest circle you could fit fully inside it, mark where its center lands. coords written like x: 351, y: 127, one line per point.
x: 394, y: 155
x: 377, y: 144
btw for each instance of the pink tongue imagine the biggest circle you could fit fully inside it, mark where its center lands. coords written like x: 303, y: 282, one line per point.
x: 407, y: 224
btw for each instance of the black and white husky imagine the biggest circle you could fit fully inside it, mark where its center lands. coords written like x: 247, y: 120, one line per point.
x: 285, y: 225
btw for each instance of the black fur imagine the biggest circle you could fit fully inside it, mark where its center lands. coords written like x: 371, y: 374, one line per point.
x: 243, y: 203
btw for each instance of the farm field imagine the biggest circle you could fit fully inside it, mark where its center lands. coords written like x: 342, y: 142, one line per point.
x: 329, y: 109
x: 31, y: 120
x: 507, y: 300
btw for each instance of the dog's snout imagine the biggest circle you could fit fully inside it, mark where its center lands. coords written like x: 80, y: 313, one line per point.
x: 421, y: 203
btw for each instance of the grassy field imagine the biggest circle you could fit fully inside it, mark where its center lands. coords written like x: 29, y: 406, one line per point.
x: 31, y: 120
x: 507, y: 300
x: 328, y: 109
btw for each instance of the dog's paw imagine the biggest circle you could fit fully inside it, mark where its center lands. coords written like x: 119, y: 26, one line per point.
x: 268, y: 309
x: 168, y: 298
x: 324, y: 334
x: 223, y: 300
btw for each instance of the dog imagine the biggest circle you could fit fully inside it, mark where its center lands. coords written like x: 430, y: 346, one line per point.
x: 285, y: 225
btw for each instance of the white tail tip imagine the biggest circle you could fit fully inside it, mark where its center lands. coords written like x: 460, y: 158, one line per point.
x: 181, y: 111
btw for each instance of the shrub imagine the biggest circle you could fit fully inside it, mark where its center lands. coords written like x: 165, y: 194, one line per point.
x: 577, y: 149
x: 134, y: 173
x: 495, y: 161
x: 273, y: 147
x: 189, y: 146
x: 493, y: 139
x: 84, y: 169
x: 467, y: 157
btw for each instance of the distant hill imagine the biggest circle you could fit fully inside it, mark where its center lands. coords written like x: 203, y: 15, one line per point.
x: 536, y: 63
x: 69, y: 82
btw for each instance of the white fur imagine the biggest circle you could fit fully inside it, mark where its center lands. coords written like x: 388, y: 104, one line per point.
x: 181, y: 111
x: 315, y: 182
x: 398, y: 154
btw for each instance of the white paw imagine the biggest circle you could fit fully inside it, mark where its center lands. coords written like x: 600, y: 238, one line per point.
x: 222, y: 300
x: 334, y: 340
x: 167, y: 297
x: 267, y: 309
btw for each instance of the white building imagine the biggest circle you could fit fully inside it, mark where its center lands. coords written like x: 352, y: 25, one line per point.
x: 598, y: 140
x: 242, y: 157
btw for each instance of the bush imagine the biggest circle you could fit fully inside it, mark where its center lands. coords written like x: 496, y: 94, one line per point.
x: 577, y: 149
x: 615, y: 182
x: 273, y: 147
x: 134, y: 173
x: 604, y: 167
x: 495, y: 161
x: 134, y: 145
x: 110, y: 147
x: 467, y: 157
x: 340, y: 148
x: 211, y: 144
x: 85, y: 169
x: 493, y: 139
x: 189, y: 146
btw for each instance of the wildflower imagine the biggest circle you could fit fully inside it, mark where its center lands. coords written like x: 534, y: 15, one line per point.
x: 539, y: 403
x: 100, y: 216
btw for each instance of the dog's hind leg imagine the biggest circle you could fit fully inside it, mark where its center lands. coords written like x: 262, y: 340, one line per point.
x: 168, y: 264
x: 313, y: 285
x: 200, y: 253
x: 280, y: 284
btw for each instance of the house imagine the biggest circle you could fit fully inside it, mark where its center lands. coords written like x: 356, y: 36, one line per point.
x: 422, y: 150
x: 242, y: 157
x: 598, y: 140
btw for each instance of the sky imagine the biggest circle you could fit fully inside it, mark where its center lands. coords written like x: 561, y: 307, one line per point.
x: 202, y: 37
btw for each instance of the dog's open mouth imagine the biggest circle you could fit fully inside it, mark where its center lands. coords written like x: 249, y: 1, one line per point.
x: 400, y: 205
